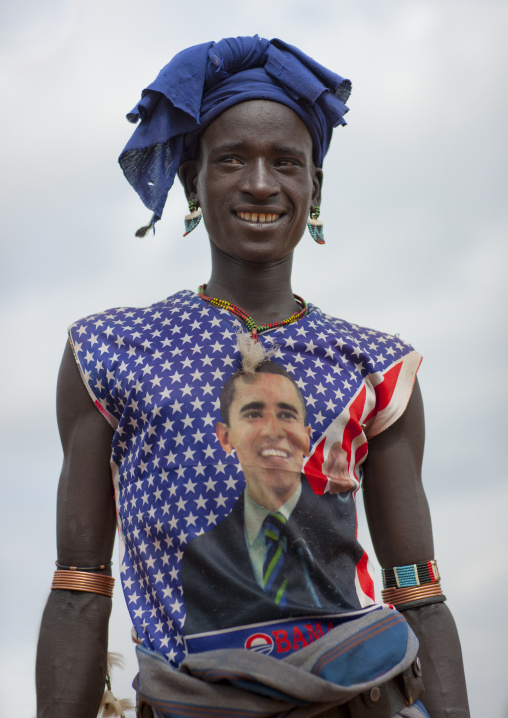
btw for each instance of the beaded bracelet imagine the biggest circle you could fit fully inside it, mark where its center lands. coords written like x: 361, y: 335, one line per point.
x: 82, y: 581
x: 404, y: 584
x: 415, y: 574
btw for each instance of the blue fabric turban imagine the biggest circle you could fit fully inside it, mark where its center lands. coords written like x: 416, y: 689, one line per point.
x: 201, y: 82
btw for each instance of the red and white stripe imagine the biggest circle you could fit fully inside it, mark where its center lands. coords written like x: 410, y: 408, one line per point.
x: 378, y: 403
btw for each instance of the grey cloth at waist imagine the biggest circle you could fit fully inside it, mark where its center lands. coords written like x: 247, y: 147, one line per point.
x: 267, y: 687
x: 388, y: 700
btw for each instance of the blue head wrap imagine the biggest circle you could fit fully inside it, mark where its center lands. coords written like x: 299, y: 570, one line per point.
x: 201, y: 82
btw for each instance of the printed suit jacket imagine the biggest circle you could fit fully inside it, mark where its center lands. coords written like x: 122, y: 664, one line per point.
x: 219, y: 586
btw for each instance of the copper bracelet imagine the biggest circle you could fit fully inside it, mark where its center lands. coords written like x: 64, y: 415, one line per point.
x: 397, y: 596
x: 82, y: 581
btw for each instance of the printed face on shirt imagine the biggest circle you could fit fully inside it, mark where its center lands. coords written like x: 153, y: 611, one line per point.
x: 267, y: 430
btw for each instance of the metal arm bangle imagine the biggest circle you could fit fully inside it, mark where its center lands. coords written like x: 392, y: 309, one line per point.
x: 81, y: 581
x: 420, y: 603
x: 414, y: 582
x: 396, y: 596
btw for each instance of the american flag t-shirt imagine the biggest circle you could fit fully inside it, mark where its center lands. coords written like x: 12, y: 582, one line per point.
x: 156, y: 374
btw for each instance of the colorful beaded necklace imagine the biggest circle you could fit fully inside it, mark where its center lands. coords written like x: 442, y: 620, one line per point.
x: 249, y: 322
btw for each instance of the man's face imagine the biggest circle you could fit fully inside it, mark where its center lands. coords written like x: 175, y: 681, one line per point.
x: 267, y: 430
x: 256, y: 180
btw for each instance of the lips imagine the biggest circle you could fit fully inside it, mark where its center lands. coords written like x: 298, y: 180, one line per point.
x: 275, y: 452
x: 258, y: 217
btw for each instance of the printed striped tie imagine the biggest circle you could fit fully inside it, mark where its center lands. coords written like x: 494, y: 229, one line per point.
x: 275, y: 579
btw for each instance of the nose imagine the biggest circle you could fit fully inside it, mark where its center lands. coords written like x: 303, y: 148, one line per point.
x: 259, y: 180
x: 272, y: 427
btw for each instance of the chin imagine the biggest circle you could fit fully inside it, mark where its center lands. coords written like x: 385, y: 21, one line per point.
x: 283, y: 477
x: 257, y: 247
x: 259, y: 252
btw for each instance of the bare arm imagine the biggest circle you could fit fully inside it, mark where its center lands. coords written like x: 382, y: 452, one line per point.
x: 71, y: 655
x: 401, y: 530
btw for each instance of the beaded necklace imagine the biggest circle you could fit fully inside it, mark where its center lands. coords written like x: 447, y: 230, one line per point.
x: 249, y: 322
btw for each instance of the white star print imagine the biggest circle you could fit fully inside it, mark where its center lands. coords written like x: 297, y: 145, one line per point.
x: 142, y: 366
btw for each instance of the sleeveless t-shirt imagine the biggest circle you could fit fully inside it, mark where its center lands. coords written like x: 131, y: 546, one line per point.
x: 205, y: 562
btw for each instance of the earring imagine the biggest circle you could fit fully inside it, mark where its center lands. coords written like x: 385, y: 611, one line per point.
x: 315, y: 226
x: 192, y: 219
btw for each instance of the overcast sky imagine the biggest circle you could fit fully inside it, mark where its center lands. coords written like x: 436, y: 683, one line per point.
x: 416, y: 224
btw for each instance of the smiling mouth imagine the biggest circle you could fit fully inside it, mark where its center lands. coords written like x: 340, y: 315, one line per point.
x: 257, y: 217
x: 275, y: 452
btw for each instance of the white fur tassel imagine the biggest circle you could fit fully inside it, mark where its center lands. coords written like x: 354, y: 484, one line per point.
x: 110, y: 705
x: 253, y: 353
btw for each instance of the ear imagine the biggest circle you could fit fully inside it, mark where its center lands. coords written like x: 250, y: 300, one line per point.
x: 308, y: 431
x: 222, y: 431
x: 188, y: 173
x: 317, y: 184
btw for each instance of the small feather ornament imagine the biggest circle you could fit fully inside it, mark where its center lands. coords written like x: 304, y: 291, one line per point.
x: 141, y: 232
x: 110, y: 705
x: 114, y: 660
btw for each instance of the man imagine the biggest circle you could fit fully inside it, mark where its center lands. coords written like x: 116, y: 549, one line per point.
x: 246, y: 123
x: 272, y: 537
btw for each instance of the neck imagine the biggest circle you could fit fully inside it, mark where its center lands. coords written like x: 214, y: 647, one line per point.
x: 262, y: 290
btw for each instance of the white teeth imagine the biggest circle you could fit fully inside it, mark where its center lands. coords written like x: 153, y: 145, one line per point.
x: 275, y: 452
x: 257, y: 217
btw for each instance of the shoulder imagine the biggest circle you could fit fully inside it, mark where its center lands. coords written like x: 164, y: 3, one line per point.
x: 101, y: 324
x: 371, y: 350
x: 107, y: 343
x: 378, y: 369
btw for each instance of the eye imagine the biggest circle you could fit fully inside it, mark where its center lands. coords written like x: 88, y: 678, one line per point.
x: 253, y: 414
x: 289, y: 415
x: 287, y: 162
x: 228, y: 160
